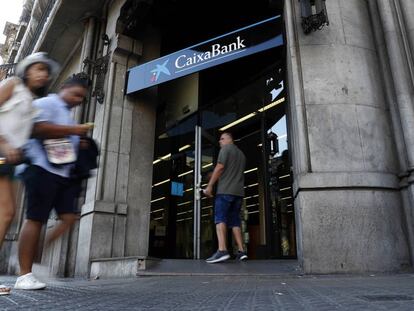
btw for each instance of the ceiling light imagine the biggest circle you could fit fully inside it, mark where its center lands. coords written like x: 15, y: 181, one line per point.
x: 250, y: 115
x: 159, y: 199
x: 160, y: 183
x: 251, y: 170
x: 272, y: 104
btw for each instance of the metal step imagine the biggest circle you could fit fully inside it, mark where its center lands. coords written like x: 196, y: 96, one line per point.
x: 230, y: 267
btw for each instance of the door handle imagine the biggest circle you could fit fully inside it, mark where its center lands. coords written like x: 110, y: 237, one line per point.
x: 198, y: 189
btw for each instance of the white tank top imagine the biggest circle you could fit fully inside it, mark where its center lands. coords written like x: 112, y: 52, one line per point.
x: 17, y: 115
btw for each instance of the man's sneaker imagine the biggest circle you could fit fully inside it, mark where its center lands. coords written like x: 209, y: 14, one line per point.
x: 218, y: 256
x: 241, y: 256
x: 28, y: 282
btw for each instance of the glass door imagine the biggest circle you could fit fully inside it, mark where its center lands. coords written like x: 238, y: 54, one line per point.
x: 182, y: 224
x: 172, y: 203
x: 280, y: 216
x: 204, y: 227
x: 255, y: 112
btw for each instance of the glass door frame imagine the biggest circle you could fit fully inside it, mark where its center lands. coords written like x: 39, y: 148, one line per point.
x: 200, y: 134
x: 197, y: 193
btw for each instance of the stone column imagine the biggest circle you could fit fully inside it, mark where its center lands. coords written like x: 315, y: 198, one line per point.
x: 348, y: 204
x: 143, y: 119
x: 406, y: 7
x: 398, y: 37
x: 109, y: 214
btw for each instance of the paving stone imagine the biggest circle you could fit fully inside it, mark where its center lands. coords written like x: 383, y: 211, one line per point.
x: 160, y: 293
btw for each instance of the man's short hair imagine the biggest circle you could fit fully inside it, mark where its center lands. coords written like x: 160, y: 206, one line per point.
x: 79, y: 79
x: 229, y: 134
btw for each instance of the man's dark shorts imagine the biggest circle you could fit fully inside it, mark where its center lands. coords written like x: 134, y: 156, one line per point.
x: 45, y: 191
x: 227, y: 210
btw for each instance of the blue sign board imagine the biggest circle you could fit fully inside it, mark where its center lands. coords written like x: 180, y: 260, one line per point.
x: 177, y: 188
x: 236, y: 44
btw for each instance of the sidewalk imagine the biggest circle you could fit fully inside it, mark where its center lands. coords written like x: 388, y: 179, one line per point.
x: 333, y: 292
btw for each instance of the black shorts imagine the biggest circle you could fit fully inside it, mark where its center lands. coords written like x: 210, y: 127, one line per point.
x: 45, y: 191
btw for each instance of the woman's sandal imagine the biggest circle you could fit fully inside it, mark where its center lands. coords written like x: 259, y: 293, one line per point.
x: 4, y: 290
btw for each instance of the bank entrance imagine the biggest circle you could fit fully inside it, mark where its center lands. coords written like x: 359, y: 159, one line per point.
x: 251, y: 103
x: 221, y: 67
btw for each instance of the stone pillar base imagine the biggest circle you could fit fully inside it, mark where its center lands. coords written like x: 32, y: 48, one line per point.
x: 120, y: 267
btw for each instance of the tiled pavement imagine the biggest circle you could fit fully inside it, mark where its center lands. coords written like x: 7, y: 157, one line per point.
x: 293, y: 292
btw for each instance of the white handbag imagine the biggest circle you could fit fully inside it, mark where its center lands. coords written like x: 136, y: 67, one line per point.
x: 59, y: 151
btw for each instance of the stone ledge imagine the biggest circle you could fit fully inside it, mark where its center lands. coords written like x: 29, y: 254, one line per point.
x: 104, y: 207
x: 342, y: 180
x: 120, y: 267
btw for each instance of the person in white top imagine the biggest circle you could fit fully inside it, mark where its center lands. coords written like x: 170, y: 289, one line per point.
x: 33, y: 75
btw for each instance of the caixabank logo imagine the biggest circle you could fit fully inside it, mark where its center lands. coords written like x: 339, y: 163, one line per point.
x: 158, y: 70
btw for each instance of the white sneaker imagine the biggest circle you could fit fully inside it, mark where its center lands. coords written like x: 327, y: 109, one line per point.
x: 28, y: 282
x: 4, y: 290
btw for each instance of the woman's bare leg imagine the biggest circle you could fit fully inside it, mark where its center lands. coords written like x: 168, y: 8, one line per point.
x: 7, y: 206
x: 7, y: 211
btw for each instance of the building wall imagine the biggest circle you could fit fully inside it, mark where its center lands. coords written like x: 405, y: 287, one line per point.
x: 6, y: 48
x: 395, y: 38
x: 348, y: 201
x: 71, y: 68
x: 351, y: 129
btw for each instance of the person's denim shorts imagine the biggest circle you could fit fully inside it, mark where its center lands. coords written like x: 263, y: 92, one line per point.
x: 227, y: 210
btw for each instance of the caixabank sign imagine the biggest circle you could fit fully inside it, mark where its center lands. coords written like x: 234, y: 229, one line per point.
x: 236, y: 44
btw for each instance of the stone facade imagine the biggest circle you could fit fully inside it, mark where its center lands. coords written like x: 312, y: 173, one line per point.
x: 351, y: 116
x: 352, y: 149
x: 10, y: 31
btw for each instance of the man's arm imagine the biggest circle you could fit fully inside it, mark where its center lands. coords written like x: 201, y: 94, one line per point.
x: 51, y: 130
x: 218, y: 170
